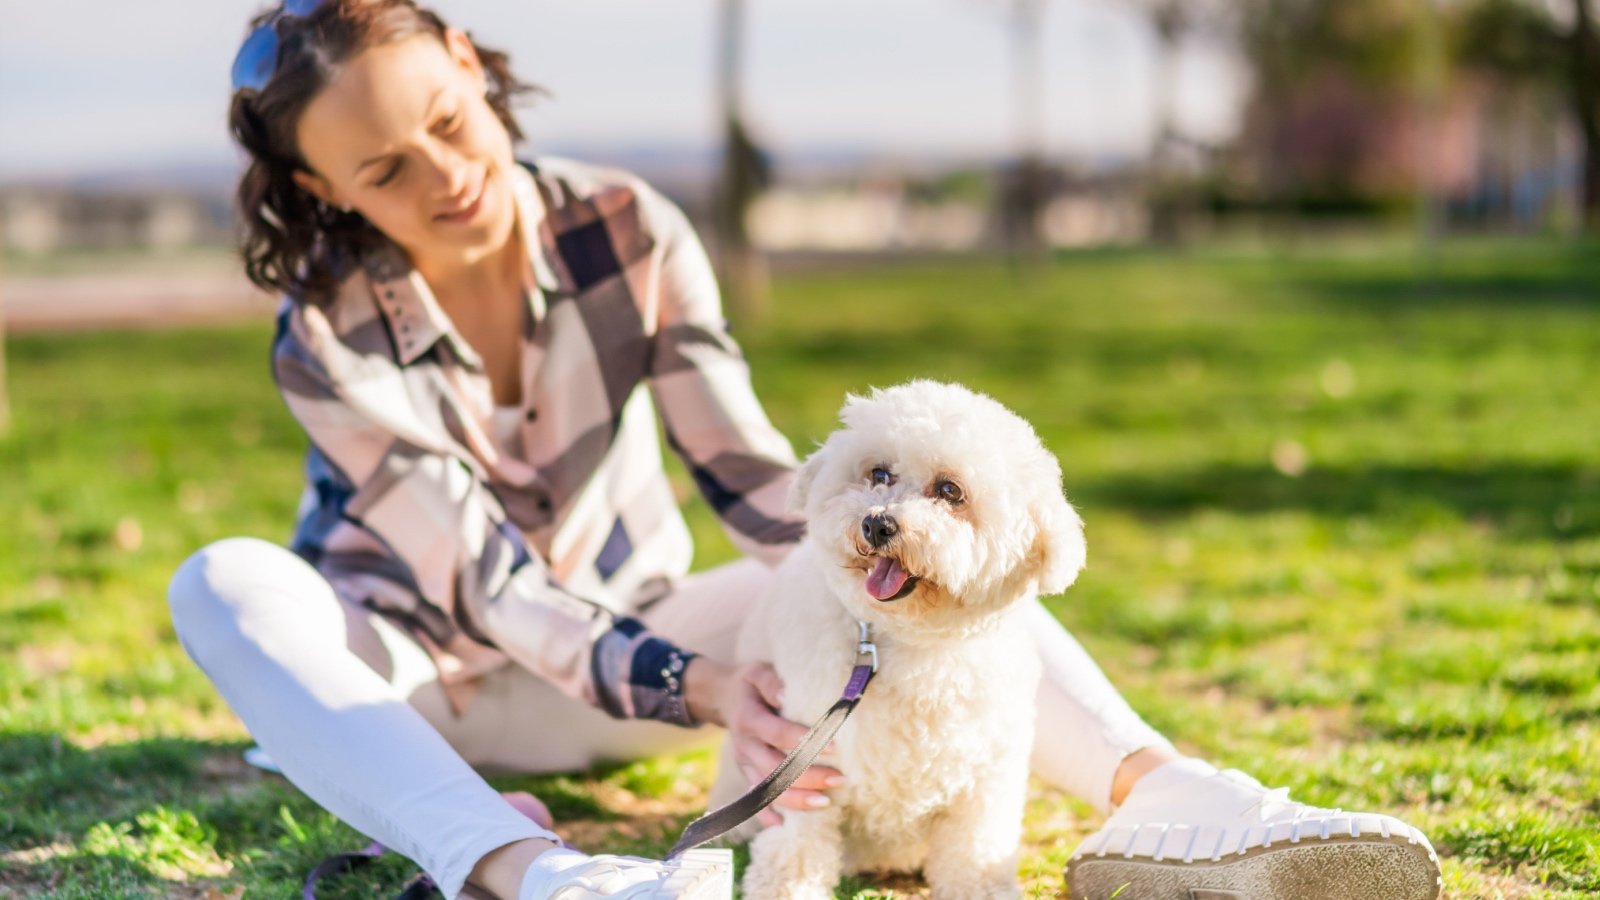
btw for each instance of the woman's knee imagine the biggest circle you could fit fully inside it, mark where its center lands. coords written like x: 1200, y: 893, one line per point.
x: 223, y: 581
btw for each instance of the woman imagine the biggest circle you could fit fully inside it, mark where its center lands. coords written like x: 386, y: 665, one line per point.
x: 488, y: 570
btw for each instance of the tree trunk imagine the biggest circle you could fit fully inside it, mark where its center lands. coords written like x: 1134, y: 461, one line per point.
x: 1586, y: 103
x: 1025, y: 185
x: 5, y: 397
x: 1161, y: 188
x: 744, y: 173
x: 1431, y: 72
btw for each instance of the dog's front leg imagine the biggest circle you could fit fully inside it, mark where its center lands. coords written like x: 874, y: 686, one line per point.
x: 972, y: 851
x: 729, y: 786
x: 798, y: 860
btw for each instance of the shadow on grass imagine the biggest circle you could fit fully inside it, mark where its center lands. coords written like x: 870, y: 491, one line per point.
x: 1560, y: 278
x: 173, y: 816
x: 167, y: 817
x: 155, y: 817
x: 1379, y: 293
x: 1520, y: 500
x: 53, y: 786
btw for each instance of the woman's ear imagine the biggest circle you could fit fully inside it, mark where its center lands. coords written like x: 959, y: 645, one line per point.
x: 315, y: 185
x: 461, y: 51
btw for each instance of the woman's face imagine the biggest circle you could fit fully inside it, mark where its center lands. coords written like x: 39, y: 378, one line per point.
x: 404, y: 136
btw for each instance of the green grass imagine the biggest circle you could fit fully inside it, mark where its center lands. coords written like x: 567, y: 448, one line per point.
x: 1344, y: 531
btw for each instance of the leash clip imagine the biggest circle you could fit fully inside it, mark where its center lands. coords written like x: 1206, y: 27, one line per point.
x: 866, y: 650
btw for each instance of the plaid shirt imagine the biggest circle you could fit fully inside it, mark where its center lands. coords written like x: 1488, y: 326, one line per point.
x: 539, y: 550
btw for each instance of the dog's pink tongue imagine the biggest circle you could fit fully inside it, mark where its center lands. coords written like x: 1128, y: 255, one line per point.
x: 886, y: 578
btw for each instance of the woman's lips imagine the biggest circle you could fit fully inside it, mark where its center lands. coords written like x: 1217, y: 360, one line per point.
x: 468, y: 212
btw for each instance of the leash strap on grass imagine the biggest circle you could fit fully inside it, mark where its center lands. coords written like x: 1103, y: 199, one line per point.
x: 715, y: 824
x: 418, y: 888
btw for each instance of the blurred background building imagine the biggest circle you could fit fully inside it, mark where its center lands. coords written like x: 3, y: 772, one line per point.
x: 808, y: 130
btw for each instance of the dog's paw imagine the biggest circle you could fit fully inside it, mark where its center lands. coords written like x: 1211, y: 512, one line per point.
x: 798, y: 860
x: 996, y: 885
x: 761, y: 885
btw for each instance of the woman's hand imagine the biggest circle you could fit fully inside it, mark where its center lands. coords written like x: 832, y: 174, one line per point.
x: 743, y: 699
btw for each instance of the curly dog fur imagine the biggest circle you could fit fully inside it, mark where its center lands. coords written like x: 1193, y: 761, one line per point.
x: 933, y: 515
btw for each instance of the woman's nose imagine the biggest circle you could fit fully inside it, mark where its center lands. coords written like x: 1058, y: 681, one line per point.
x: 451, y: 171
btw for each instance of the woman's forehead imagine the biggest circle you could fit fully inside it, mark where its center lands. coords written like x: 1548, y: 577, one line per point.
x: 377, y: 99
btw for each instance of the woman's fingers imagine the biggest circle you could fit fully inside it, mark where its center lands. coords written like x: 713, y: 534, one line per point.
x: 758, y: 720
x: 755, y: 756
x: 762, y: 738
x: 767, y: 683
x: 530, y: 806
x: 757, y: 760
x: 761, y: 760
x: 793, y: 798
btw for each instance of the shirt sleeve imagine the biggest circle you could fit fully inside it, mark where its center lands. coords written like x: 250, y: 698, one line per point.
x: 412, y: 531
x: 742, y: 465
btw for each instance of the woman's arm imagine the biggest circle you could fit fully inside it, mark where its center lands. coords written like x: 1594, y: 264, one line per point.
x: 408, y: 527
x: 740, y: 462
x: 743, y: 467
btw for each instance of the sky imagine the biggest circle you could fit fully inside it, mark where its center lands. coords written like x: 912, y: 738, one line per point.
x: 91, y: 86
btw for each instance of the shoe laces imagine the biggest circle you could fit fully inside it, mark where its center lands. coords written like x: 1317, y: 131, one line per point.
x: 607, y: 876
x: 1270, y: 803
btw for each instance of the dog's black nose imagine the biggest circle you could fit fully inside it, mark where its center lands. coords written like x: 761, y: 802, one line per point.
x: 879, y: 529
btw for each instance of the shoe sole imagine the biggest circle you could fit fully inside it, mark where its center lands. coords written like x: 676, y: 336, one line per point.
x: 1357, y: 868
x: 702, y: 874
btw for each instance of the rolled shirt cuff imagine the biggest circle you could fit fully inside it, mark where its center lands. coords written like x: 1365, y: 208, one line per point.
x: 639, y: 675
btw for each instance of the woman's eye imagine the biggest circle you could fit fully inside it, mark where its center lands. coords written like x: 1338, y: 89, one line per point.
x: 949, y: 491
x: 388, y: 177
x: 448, y: 124
x: 882, y: 476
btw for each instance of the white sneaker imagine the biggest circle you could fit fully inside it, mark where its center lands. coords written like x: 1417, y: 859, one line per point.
x: 1190, y: 832
x: 704, y: 874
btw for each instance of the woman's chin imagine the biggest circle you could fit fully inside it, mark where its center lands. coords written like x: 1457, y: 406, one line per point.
x: 485, y: 233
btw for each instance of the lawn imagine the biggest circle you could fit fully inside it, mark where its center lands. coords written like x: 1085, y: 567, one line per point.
x: 1344, y: 530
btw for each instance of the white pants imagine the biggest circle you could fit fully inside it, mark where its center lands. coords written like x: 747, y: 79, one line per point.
x: 351, y: 709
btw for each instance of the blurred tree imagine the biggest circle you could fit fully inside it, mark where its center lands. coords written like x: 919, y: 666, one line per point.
x: 1169, y: 19
x: 1325, y: 72
x: 746, y: 172
x: 1173, y: 22
x: 1546, y: 42
x: 1025, y: 182
x: 5, y: 397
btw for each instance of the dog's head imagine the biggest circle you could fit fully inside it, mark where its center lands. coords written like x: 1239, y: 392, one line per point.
x: 934, y: 508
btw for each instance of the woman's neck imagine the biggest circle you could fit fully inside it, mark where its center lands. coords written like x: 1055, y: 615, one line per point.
x: 497, y: 273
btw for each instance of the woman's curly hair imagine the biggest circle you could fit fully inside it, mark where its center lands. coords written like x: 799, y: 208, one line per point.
x: 292, y: 242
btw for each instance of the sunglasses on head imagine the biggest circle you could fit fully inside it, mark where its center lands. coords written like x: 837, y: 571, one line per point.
x: 258, y: 55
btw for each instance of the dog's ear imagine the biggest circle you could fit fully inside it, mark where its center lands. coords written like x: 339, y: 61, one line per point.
x: 1059, y: 551
x: 800, y: 488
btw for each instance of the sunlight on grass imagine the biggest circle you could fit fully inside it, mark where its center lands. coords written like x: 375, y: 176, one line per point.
x: 1344, y: 534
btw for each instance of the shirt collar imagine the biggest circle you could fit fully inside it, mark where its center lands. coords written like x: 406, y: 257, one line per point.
x: 414, y: 316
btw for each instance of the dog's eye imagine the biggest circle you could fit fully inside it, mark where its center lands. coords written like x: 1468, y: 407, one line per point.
x: 880, y: 475
x: 949, y: 491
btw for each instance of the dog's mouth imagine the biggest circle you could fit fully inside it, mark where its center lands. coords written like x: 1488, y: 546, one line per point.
x: 888, y: 580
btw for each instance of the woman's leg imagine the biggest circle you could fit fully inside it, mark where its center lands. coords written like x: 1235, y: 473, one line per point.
x: 282, y: 649
x: 1181, y: 825
x: 1085, y: 731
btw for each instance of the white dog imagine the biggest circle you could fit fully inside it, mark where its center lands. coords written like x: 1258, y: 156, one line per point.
x: 933, y: 516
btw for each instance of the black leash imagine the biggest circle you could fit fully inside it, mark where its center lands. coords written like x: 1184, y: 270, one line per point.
x: 715, y: 824
x: 419, y: 887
